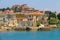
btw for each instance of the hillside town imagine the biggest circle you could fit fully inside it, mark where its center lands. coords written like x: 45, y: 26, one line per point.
x: 23, y: 17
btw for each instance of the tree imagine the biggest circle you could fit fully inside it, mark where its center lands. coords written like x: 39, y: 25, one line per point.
x: 8, y: 8
x: 16, y: 9
x: 52, y: 14
x: 58, y: 16
x: 53, y: 21
x: 3, y: 9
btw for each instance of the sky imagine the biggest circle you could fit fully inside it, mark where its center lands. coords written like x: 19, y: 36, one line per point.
x: 53, y: 5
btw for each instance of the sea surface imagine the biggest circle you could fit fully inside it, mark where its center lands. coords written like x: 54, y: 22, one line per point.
x: 30, y: 35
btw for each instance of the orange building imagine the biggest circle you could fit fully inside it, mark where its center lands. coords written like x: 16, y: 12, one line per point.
x: 1, y: 12
x: 8, y: 12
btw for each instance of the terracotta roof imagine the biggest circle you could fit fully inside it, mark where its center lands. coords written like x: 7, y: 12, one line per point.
x: 8, y: 12
x: 37, y: 13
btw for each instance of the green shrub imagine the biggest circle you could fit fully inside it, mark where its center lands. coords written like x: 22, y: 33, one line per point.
x: 53, y: 20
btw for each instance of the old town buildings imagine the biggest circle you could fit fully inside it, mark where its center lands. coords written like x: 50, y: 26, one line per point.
x: 21, y: 16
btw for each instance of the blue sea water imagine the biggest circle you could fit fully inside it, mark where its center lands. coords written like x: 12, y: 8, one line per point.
x: 38, y: 35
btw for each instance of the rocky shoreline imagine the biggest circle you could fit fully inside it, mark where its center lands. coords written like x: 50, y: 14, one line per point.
x: 29, y: 29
